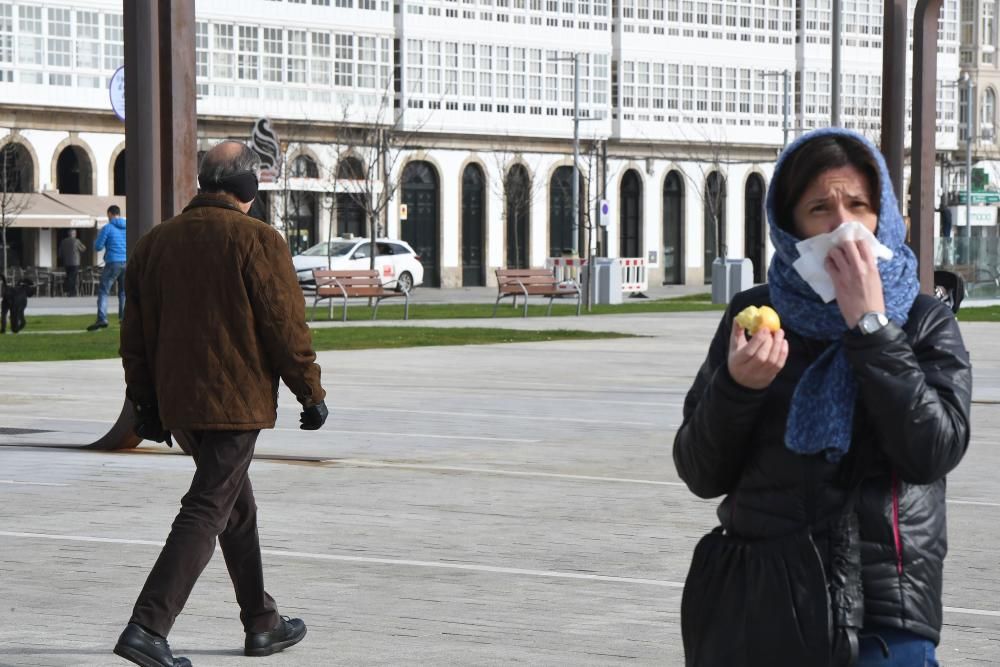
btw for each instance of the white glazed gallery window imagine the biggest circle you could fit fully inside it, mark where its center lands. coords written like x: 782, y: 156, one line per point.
x: 367, y: 62
x: 320, y: 68
x: 201, y: 50
x: 415, y: 66
x: 87, y: 46
x: 274, y: 55
x: 6, y: 42
x: 485, y: 71
x: 987, y: 116
x: 519, y: 78
x: 468, y: 71
x: 343, y: 60
x: 451, y: 69
x: 248, y: 58
x: 222, y: 51
x: 297, y: 56
x: 30, y: 44
x: 535, y: 74
x: 434, y: 62
x: 503, y: 72
x: 60, y: 45
x: 551, y: 77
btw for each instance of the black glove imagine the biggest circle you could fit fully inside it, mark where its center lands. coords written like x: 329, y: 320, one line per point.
x: 148, y: 425
x: 313, y: 417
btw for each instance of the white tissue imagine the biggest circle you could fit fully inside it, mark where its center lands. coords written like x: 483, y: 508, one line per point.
x: 813, y: 252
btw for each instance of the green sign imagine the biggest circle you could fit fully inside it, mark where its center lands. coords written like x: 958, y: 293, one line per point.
x: 980, y: 198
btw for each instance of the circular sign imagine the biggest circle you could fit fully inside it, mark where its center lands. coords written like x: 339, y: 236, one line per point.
x: 605, y: 209
x: 116, y: 91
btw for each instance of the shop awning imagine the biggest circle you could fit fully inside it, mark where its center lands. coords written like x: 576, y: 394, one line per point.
x: 50, y: 209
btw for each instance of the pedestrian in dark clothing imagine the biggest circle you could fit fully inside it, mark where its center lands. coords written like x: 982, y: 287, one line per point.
x: 111, y: 239
x: 829, y: 439
x: 69, y: 252
x: 215, y: 317
x: 945, y: 218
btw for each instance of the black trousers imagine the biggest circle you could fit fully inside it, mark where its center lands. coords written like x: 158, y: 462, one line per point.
x: 70, y: 285
x: 219, y: 504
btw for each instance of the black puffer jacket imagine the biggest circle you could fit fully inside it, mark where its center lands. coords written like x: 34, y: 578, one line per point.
x: 911, y: 428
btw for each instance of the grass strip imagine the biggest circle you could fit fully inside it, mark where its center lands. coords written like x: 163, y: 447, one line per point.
x: 104, y: 344
x: 358, y: 311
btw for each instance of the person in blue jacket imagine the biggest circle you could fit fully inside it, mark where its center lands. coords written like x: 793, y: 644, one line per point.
x: 111, y: 240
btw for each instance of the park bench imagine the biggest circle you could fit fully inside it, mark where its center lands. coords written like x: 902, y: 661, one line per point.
x: 533, y: 282
x: 354, y: 284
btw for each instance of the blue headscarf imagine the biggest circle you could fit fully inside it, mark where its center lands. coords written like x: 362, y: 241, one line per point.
x: 822, y: 409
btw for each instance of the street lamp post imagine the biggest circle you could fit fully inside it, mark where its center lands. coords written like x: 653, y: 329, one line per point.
x: 574, y: 57
x: 969, y: 138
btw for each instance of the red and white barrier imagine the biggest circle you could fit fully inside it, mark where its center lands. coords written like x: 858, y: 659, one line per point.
x: 566, y: 268
x: 634, y: 277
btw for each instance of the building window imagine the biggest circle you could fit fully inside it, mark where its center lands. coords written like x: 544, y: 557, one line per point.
x: 222, y: 51
x: 344, y: 60
x: 273, y: 55
x: 319, y: 66
x: 29, y: 47
x: 297, y: 51
x: 248, y: 59
x: 987, y: 115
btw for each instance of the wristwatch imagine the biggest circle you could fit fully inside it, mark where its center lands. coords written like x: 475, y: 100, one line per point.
x: 872, y: 322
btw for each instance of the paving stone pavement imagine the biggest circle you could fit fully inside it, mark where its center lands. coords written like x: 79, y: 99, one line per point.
x: 482, y: 505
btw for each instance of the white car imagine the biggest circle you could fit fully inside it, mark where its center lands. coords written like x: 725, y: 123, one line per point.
x: 398, y: 265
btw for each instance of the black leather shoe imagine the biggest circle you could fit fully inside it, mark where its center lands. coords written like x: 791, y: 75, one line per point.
x: 146, y: 649
x: 97, y: 325
x: 288, y: 633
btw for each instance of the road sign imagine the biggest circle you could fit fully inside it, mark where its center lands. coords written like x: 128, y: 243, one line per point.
x: 605, y: 219
x: 402, y: 211
x: 116, y: 92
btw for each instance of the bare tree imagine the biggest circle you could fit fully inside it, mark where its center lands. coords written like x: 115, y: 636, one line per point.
x: 13, y: 198
x: 710, y: 155
x: 370, y: 145
x: 516, y: 182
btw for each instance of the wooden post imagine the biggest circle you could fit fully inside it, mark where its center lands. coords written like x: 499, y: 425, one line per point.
x: 160, y: 134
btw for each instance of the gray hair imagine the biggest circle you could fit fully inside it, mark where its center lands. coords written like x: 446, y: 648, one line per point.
x: 219, y: 163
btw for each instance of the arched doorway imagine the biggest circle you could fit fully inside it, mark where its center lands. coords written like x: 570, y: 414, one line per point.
x: 754, y: 234
x: 420, y: 229
x: 473, y: 235
x: 673, y: 229
x: 16, y: 168
x: 518, y: 195
x: 351, y: 207
x: 630, y: 216
x: 74, y: 173
x: 118, y: 186
x: 715, y: 221
x: 302, y: 216
x: 17, y: 175
x: 561, y: 213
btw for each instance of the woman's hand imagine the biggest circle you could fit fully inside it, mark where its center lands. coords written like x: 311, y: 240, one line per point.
x: 856, y: 281
x: 756, y: 362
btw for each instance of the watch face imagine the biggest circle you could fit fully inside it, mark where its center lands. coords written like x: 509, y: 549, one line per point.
x: 872, y: 322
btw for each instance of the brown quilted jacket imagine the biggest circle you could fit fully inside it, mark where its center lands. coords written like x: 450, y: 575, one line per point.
x: 215, y: 316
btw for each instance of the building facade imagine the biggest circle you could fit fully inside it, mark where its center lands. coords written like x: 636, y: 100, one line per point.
x: 450, y: 122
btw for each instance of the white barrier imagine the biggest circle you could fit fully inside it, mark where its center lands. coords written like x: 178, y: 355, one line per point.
x: 566, y: 268
x: 634, y: 277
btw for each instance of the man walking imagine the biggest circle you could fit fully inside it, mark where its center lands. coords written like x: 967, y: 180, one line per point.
x: 69, y: 252
x: 215, y: 317
x: 111, y: 239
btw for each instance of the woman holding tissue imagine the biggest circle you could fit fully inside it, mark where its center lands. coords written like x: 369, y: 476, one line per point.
x: 829, y: 438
